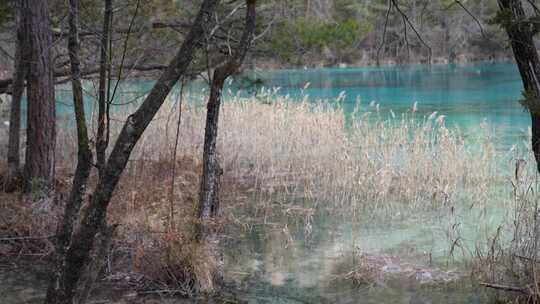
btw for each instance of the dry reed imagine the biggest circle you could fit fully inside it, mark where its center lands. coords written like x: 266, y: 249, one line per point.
x: 287, y: 149
x: 277, y: 150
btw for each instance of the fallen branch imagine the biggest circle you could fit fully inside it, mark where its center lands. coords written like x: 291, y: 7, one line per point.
x: 153, y: 25
x: 6, y: 83
x: 522, y: 290
x: 162, y: 291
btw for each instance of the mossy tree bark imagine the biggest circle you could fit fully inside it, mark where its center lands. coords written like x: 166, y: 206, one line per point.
x: 84, y: 161
x: 521, y: 31
x: 210, y: 181
x: 93, y: 219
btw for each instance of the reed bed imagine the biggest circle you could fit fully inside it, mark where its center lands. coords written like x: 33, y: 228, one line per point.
x: 286, y: 156
x: 286, y: 148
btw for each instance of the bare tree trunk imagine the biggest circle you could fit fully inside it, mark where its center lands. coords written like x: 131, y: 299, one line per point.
x: 41, y: 126
x: 82, y: 241
x: 84, y: 160
x: 521, y: 34
x: 210, y: 181
x: 102, y: 137
x: 19, y: 75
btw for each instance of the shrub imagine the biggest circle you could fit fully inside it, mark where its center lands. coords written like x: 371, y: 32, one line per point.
x: 303, y: 36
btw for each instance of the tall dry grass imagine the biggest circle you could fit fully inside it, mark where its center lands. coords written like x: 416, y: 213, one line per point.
x: 286, y: 148
x: 293, y: 154
x: 508, y: 258
x: 277, y: 151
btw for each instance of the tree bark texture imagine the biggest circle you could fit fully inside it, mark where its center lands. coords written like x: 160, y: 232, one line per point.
x: 41, y: 125
x: 97, y: 264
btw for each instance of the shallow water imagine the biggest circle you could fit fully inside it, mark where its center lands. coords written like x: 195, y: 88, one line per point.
x: 280, y: 263
x: 291, y: 269
x: 409, y: 253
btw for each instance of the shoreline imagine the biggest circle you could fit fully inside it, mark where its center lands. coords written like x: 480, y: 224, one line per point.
x: 271, y: 65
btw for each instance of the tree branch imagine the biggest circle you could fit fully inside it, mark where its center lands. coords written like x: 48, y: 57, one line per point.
x: 413, y: 28
x: 5, y: 84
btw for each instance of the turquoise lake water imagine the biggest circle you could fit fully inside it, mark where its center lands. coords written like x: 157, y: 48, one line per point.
x: 467, y: 94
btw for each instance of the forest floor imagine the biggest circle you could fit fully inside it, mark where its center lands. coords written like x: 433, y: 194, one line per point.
x: 148, y: 258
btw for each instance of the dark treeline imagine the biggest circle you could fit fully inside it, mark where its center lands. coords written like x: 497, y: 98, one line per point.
x: 323, y: 32
x: 384, y: 31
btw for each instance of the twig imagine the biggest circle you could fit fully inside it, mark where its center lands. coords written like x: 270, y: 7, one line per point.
x: 534, y: 6
x: 406, y: 39
x: 6, y: 54
x: 125, y: 47
x: 398, y: 9
x: 163, y: 291
x: 175, y: 151
x: 384, y: 31
x: 23, y: 238
x: 472, y: 16
x: 526, y: 258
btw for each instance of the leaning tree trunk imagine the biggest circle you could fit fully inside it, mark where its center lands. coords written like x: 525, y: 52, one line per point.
x: 209, y: 192
x: 94, y: 217
x: 84, y: 160
x: 521, y: 33
x: 41, y: 121
x: 19, y: 75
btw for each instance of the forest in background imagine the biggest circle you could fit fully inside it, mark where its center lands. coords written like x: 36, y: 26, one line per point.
x: 302, y: 33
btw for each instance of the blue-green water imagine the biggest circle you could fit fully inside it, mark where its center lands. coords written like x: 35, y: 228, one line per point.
x: 467, y: 94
